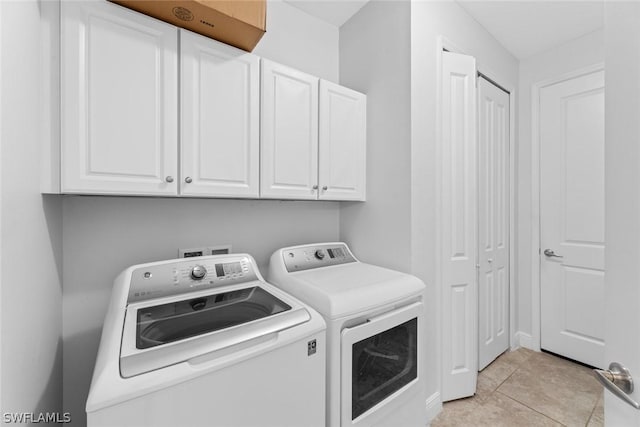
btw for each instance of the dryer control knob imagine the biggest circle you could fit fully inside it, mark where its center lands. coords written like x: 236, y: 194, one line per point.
x: 198, y: 272
x: 320, y: 254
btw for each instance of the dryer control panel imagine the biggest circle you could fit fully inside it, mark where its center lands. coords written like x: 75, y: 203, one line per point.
x: 315, y: 256
x: 189, y: 274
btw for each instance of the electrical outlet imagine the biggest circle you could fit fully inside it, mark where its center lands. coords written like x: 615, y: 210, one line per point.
x: 192, y: 252
x: 219, y: 250
x: 204, y: 251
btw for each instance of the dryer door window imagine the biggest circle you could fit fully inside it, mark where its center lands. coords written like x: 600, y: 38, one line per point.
x: 175, y: 321
x: 379, y: 365
x: 382, y: 365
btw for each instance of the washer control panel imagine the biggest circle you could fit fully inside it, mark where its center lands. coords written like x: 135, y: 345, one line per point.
x: 189, y: 274
x: 316, y: 256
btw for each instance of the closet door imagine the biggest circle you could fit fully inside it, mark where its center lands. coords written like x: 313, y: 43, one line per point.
x: 343, y: 139
x: 220, y: 103
x: 493, y: 218
x: 459, y: 227
x: 119, y: 103
x: 289, y: 143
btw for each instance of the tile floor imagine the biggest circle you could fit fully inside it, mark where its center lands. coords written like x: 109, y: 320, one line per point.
x: 526, y: 388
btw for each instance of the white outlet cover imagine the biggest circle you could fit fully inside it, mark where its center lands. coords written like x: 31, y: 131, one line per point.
x: 219, y: 250
x: 205, y: 251
x: 183, y: 252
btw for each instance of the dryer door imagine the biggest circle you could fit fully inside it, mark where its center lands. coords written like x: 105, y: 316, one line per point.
x: 380, y: 365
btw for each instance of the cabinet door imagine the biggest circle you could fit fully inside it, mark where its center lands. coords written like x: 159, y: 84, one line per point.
x: 343, y: 139
x: 119, y: 101
x: 289, y: 150
x: 220, y: 103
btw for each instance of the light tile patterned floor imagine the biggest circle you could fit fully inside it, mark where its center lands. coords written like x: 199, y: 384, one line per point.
x: 526, y: 388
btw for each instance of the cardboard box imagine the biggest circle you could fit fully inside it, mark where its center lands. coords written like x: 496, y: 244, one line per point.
x: 240, y: 23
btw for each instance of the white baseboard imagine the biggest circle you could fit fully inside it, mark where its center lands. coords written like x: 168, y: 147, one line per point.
x: 434, y: 407
x: 525, y: 340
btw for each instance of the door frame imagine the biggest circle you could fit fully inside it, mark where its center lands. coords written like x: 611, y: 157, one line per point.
x: 443, y: 43
x: 533, y: 342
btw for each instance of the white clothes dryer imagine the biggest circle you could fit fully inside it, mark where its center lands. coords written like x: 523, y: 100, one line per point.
x: 206, y: 341
x: 375, y: 333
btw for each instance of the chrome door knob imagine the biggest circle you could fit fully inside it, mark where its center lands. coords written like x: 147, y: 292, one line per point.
x: 617, y: 379
x: 169, y: 179
x: 188, y: 180
x: 551, y: 254
x: 315, y: 187
x: 325, y: 188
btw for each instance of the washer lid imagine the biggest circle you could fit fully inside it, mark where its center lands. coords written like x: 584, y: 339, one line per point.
x: 175, y: 321
x: 340, y: 290
x: 171, y: 330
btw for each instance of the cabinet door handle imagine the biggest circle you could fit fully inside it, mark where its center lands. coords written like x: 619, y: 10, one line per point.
x: 325, y: 188
x: 169, y: 179
x: 188, y: 180
x: 315, y: 187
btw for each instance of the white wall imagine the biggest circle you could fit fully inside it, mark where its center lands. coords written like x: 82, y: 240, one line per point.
x: 377, y: 63
x: 571, y: 56
x: 299, y: 40
x: 1, y: 157
x: 103, y: 235
x: 31, y: 227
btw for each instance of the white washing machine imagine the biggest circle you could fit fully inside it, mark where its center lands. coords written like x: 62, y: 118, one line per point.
x: 375, y: 333
x: 206, y: 341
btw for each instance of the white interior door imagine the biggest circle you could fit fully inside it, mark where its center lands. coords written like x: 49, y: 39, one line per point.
x: 572, y: 218
x: 459, y: 227
x: 493, y: 222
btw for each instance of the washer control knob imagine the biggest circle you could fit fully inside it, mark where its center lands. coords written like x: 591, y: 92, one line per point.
x: 198, y: 272
x: 320, y: 254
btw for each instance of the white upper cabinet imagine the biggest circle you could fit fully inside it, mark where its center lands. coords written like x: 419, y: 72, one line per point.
x: 313, y: 137
x: 119, y: 90
x: 343, y: 139
x: 289, y: 145
x: 220, y: 135
x: 147, y: 109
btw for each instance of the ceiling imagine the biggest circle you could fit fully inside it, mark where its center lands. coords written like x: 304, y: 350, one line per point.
x: 335, y: 12
x: 524, y: 28
x: 528, y: 27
